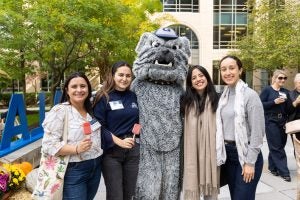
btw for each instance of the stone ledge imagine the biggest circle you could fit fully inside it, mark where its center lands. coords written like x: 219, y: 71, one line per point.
x: 30, y: 153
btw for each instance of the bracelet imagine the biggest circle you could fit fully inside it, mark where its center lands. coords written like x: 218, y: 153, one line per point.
x: 77, y: 150
x: 78, y: 153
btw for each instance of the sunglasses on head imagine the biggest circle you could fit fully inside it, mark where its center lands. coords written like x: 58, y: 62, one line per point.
x: 281, y: 78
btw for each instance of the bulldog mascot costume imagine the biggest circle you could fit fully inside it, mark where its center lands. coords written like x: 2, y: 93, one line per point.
x: 160, y: 71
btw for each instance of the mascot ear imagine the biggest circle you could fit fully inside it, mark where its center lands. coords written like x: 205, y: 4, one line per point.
x: 143, y: 39
x: 186, y: 45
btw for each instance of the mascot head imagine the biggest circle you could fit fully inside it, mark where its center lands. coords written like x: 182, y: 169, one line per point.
x: 162, y: 57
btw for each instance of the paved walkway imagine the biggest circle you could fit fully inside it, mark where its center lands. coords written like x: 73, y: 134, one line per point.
x: 269, y: 187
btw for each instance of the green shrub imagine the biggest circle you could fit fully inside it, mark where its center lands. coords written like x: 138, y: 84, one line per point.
x: 30, y: 99
x: 5, y: 98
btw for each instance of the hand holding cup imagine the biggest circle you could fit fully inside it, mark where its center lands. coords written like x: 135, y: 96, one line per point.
x: 87, y: 129
x: 136, y: 130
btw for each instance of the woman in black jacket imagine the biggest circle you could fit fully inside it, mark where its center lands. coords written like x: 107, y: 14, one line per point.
x: 277, y: 106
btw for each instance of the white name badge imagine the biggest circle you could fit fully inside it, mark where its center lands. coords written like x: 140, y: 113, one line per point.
x: 95, y: 125
x: 116, y: 105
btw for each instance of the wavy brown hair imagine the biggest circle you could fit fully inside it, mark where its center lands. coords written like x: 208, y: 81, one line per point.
x: 109, y: 83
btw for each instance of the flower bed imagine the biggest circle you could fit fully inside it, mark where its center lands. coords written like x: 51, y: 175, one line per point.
x: 12, y: 179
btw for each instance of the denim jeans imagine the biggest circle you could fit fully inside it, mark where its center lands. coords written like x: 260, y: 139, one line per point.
x: 120, y: 169
x: 233, y: 170
x: 82, y: 179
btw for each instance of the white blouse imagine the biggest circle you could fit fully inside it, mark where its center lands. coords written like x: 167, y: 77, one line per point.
x: 53, y: 130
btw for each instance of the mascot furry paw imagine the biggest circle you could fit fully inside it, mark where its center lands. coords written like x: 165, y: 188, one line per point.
x: 160, y: 70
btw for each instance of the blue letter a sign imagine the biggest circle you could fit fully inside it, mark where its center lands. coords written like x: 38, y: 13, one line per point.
x: 16, y: 108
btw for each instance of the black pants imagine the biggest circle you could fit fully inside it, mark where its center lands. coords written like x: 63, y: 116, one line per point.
x: 238, y: 188
x: 120, y: 169
x: 276, y: 138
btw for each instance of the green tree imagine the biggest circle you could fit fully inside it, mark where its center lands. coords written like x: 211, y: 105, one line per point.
x: 273, y: 39
x: 86, y: 34
x: 15, y: 40
x: 64, y: 36
x: 123, y: 33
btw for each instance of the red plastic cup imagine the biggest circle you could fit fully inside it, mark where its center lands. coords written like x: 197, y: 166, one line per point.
x: 136, y: 129
x: 87, y: 128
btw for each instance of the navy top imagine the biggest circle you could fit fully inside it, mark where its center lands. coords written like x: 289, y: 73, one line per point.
x: 116, y: 116
x: 268, y: 95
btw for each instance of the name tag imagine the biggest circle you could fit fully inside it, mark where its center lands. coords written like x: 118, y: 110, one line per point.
x: 116, y: 105
x: 95, y: 125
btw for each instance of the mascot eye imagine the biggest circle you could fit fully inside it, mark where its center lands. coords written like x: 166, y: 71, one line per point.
x: 175, y: 47
x: 155, y: 44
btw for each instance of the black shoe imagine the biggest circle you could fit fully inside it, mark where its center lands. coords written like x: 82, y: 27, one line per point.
x: 274, y: 173
x: 286, y: 178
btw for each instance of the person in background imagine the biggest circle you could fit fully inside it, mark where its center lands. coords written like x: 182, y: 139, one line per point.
x: 116, y: 109
x: 295, y: 97
x: 199, y: 104
x: 83, y: 172
x: 277, y: 105
x: 240, y: 132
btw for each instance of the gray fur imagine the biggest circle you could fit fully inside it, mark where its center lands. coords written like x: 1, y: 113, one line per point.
x: 156, y: 182
x: 158, y: 88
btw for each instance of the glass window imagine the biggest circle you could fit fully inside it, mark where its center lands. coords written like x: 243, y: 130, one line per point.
x: 265, y: 78
x: 183, y: 30
x: 230, y: 22
x: 216, y: 77
x: 216, y: 18
x: 226, y: 2
x: 241, y: 18
x: 216, y: 37
x: 181, y: 5
x: 241, y: 2
x: 226, y: 18
x: 46, y: 82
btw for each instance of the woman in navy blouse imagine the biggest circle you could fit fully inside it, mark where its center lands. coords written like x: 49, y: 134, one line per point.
x: 277, y: 105
x: 116, y: 109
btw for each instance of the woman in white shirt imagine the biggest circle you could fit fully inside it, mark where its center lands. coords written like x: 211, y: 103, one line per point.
x: 83, y: 173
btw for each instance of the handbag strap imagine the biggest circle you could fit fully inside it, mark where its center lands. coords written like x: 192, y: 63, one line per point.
x: 66, y: 125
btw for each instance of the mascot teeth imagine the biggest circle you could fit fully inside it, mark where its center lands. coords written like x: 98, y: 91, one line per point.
x: 164, y: 65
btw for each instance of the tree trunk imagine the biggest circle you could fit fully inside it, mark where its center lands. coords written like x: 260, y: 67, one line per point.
x: 103, y: 65
x: 23, y: 80
x: 55, y: 83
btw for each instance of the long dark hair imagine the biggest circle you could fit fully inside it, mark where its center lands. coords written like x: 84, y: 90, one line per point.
x: 65, y: 97
x: 109, y: 83
x: 192, y: 97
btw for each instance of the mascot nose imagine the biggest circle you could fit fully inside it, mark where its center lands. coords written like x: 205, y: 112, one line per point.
x: 166, y: 58
x: 165, y: 51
